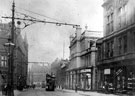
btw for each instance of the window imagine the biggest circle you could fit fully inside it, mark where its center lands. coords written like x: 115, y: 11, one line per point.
x: 89, y: 60
x: 121, y: 10
x: 99, y: 52
x: 119, y: 22
x: 134, y: 40
x: 120, y: 45
x: 3, y: 61
x: 120, y: 13
x: 109, y: 26
x: 108, y: 19
x: 134, y: 15
x: 125, y: 43
x: 122, y: 16
x: 120, y: 2
x: 2, y: 57
x: 112, y: 21
x: 111, y: 48
x: 107, y: 50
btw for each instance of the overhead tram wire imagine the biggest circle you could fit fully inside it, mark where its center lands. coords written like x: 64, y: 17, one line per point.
x: 39, y: 14
x: 33, y: 19
x: 25, y: 15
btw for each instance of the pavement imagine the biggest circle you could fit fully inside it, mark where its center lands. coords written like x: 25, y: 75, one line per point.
x: 16, y: 93
x: 89, y: 93
x: 92, y: 93
x: 82, y: 93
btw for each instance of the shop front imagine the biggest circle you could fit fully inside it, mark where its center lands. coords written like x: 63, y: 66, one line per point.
x: 106, y: 79
x: 81, y: 77
x: 85, y: 79
x: 117, y: 79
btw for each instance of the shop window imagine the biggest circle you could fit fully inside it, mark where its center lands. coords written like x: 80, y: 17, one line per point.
x: 2, y: 63
x: 121, y: 82
x: 130, y: 81
x: 88, y: 81
x: 85, y: 79
x: 2, y: 57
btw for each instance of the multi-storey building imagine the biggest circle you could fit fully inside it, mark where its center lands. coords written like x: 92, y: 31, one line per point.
x: 116, y: 50
x: 20, y: 59
x: 20, y: 55
x: 38, y: 73
x: 4, y: 32
x: 81, y: 71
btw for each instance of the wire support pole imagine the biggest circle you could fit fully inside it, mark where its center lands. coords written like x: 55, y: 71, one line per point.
x: 10, y: 89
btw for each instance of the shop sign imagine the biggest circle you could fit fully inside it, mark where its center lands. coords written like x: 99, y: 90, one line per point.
x: 107, y: 71
x: 85, y: 70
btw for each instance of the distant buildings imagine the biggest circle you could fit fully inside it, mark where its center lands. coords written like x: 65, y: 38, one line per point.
x: 20, y: 55
x: 81, y: 70
x: 59, y: 67
x: 116, y: 50
x: 37, y: 73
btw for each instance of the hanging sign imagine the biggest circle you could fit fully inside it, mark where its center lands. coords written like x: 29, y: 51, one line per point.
x: 107, y: 71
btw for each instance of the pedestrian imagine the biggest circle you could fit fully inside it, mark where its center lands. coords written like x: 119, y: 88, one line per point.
x: 62, y: 87
x: 106, y: 87
x: 4, y: 89
x: 76, y: 87
x: 33, y: 86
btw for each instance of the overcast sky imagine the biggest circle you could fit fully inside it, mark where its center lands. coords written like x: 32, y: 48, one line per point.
x: 46, y: 40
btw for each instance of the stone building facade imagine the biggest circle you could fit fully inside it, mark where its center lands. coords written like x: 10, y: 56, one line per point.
x: 116, y: 50
x: 81, y: 70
